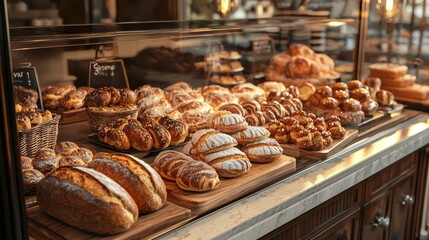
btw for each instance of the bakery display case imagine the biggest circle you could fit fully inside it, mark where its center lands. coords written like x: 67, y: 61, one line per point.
x: 164, y: 129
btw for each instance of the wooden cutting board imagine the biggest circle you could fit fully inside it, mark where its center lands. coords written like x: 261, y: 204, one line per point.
x: 293, y: 150
x: 231, y: 189
x: 43, y: 226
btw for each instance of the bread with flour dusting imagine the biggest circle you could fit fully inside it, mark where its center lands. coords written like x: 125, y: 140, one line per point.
x: 209, y: 140
x: 251, y: 134
x: 227, y: 122
x: 264, y: 151
x: 229, y: 163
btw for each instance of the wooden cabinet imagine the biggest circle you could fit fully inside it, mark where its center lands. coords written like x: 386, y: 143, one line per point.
x: 387, y: 205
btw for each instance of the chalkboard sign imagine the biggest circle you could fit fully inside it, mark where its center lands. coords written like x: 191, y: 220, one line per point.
x: 27, y: 77
x: 262, y: 46
x: 108, y: 73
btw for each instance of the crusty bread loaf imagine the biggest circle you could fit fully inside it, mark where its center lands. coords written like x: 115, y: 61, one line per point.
x: 264, y: 151
x: 209, y: 140
x: 251, y: 134
x: 197, y: 177
x: 167, y: 163
x: 229, y: 163
x: 87, y: 199
x: 65, y: 148
x: 141, y: 181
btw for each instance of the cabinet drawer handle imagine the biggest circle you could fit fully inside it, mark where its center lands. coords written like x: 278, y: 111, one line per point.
x: 408, y: 200
x: 380, y: 221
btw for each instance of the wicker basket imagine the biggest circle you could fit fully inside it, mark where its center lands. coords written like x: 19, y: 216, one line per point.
x: 96, y: 118
x: 42, y: 135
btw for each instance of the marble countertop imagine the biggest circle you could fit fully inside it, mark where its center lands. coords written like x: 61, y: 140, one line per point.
x: 260, y: 213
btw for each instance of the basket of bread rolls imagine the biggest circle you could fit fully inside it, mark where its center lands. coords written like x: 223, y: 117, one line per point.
x: 107, y: 104
x: 36, y: 128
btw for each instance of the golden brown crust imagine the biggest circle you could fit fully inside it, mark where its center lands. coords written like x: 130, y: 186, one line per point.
x: 354, y: 84
x: 26, y: 163
x: 339, y: 86
x: 127, y: 97
x: 140, y: 138
x: 351, y: 105
x: 178, y: 129
x: 233, y: 108
x: 167, y: 163
x: 31, y: 177
x: 98, y: 98
x: 141, y: 181
x: 71, y: 161
x: 197, y: 177
x: 65, y: 148
x: 360, y: 94
x: 161, y: 137
x: 369, y: 107
x: 87, y: 199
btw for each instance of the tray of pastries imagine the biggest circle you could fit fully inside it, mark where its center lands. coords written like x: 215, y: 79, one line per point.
x: 67, y: 101
x: 145, y: 136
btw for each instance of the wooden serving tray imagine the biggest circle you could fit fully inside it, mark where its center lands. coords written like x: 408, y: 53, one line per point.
x: 72, y: 116
x: 231, y: 189
x: 43, y: 226
x: 293, y: 150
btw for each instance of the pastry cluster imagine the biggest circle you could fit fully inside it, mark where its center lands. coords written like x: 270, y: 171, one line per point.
x: 143, y: 134
x: 307, y: 131
x: 351, y: 102
x: 301, y: 62
x: 64, y: 97
x: 395, y: 79
x: 47, y: 160
x: 248, y: 91
x: 190, y: 175
x: 26, y: 98
x: 108, y: 97
x: 106, y: 196
x: 227, y: 79
x: 278, y: 104
x: 30, y: 118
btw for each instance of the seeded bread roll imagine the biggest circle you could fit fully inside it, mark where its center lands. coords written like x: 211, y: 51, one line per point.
x: 197, y: 177
x: 167, y: 163
x: 229, y: 163
x: 141, y: 181
x: 251, y: 134
x: 161, y: 137
x: 209, y: 140
x: 87, y: 199
x: 140, y: 138
x: 178, y: 129
x: 264, y: 151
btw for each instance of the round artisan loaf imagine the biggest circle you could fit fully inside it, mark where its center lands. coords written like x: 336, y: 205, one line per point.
x: 229, y: 163
x: 86, y: 199
x: 264, y: 151
x: 251, y: 134
x: 197, y: 176
x: 209, y: 140
x: 167, y: 163
x: 141, y: 181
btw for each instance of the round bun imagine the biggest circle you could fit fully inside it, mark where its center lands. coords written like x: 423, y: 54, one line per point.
x: 127, y: 97
x: 323, y: 91
x: 360, y: 94
x: 329, y: 103
x: 31, y: 177
x: 351, y: 105
x: 339, y: 86
x: 354, y: 84
x: 161, y: 137
x: 98, y: 98
x: 341, y: 95
x: 369, y: 107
